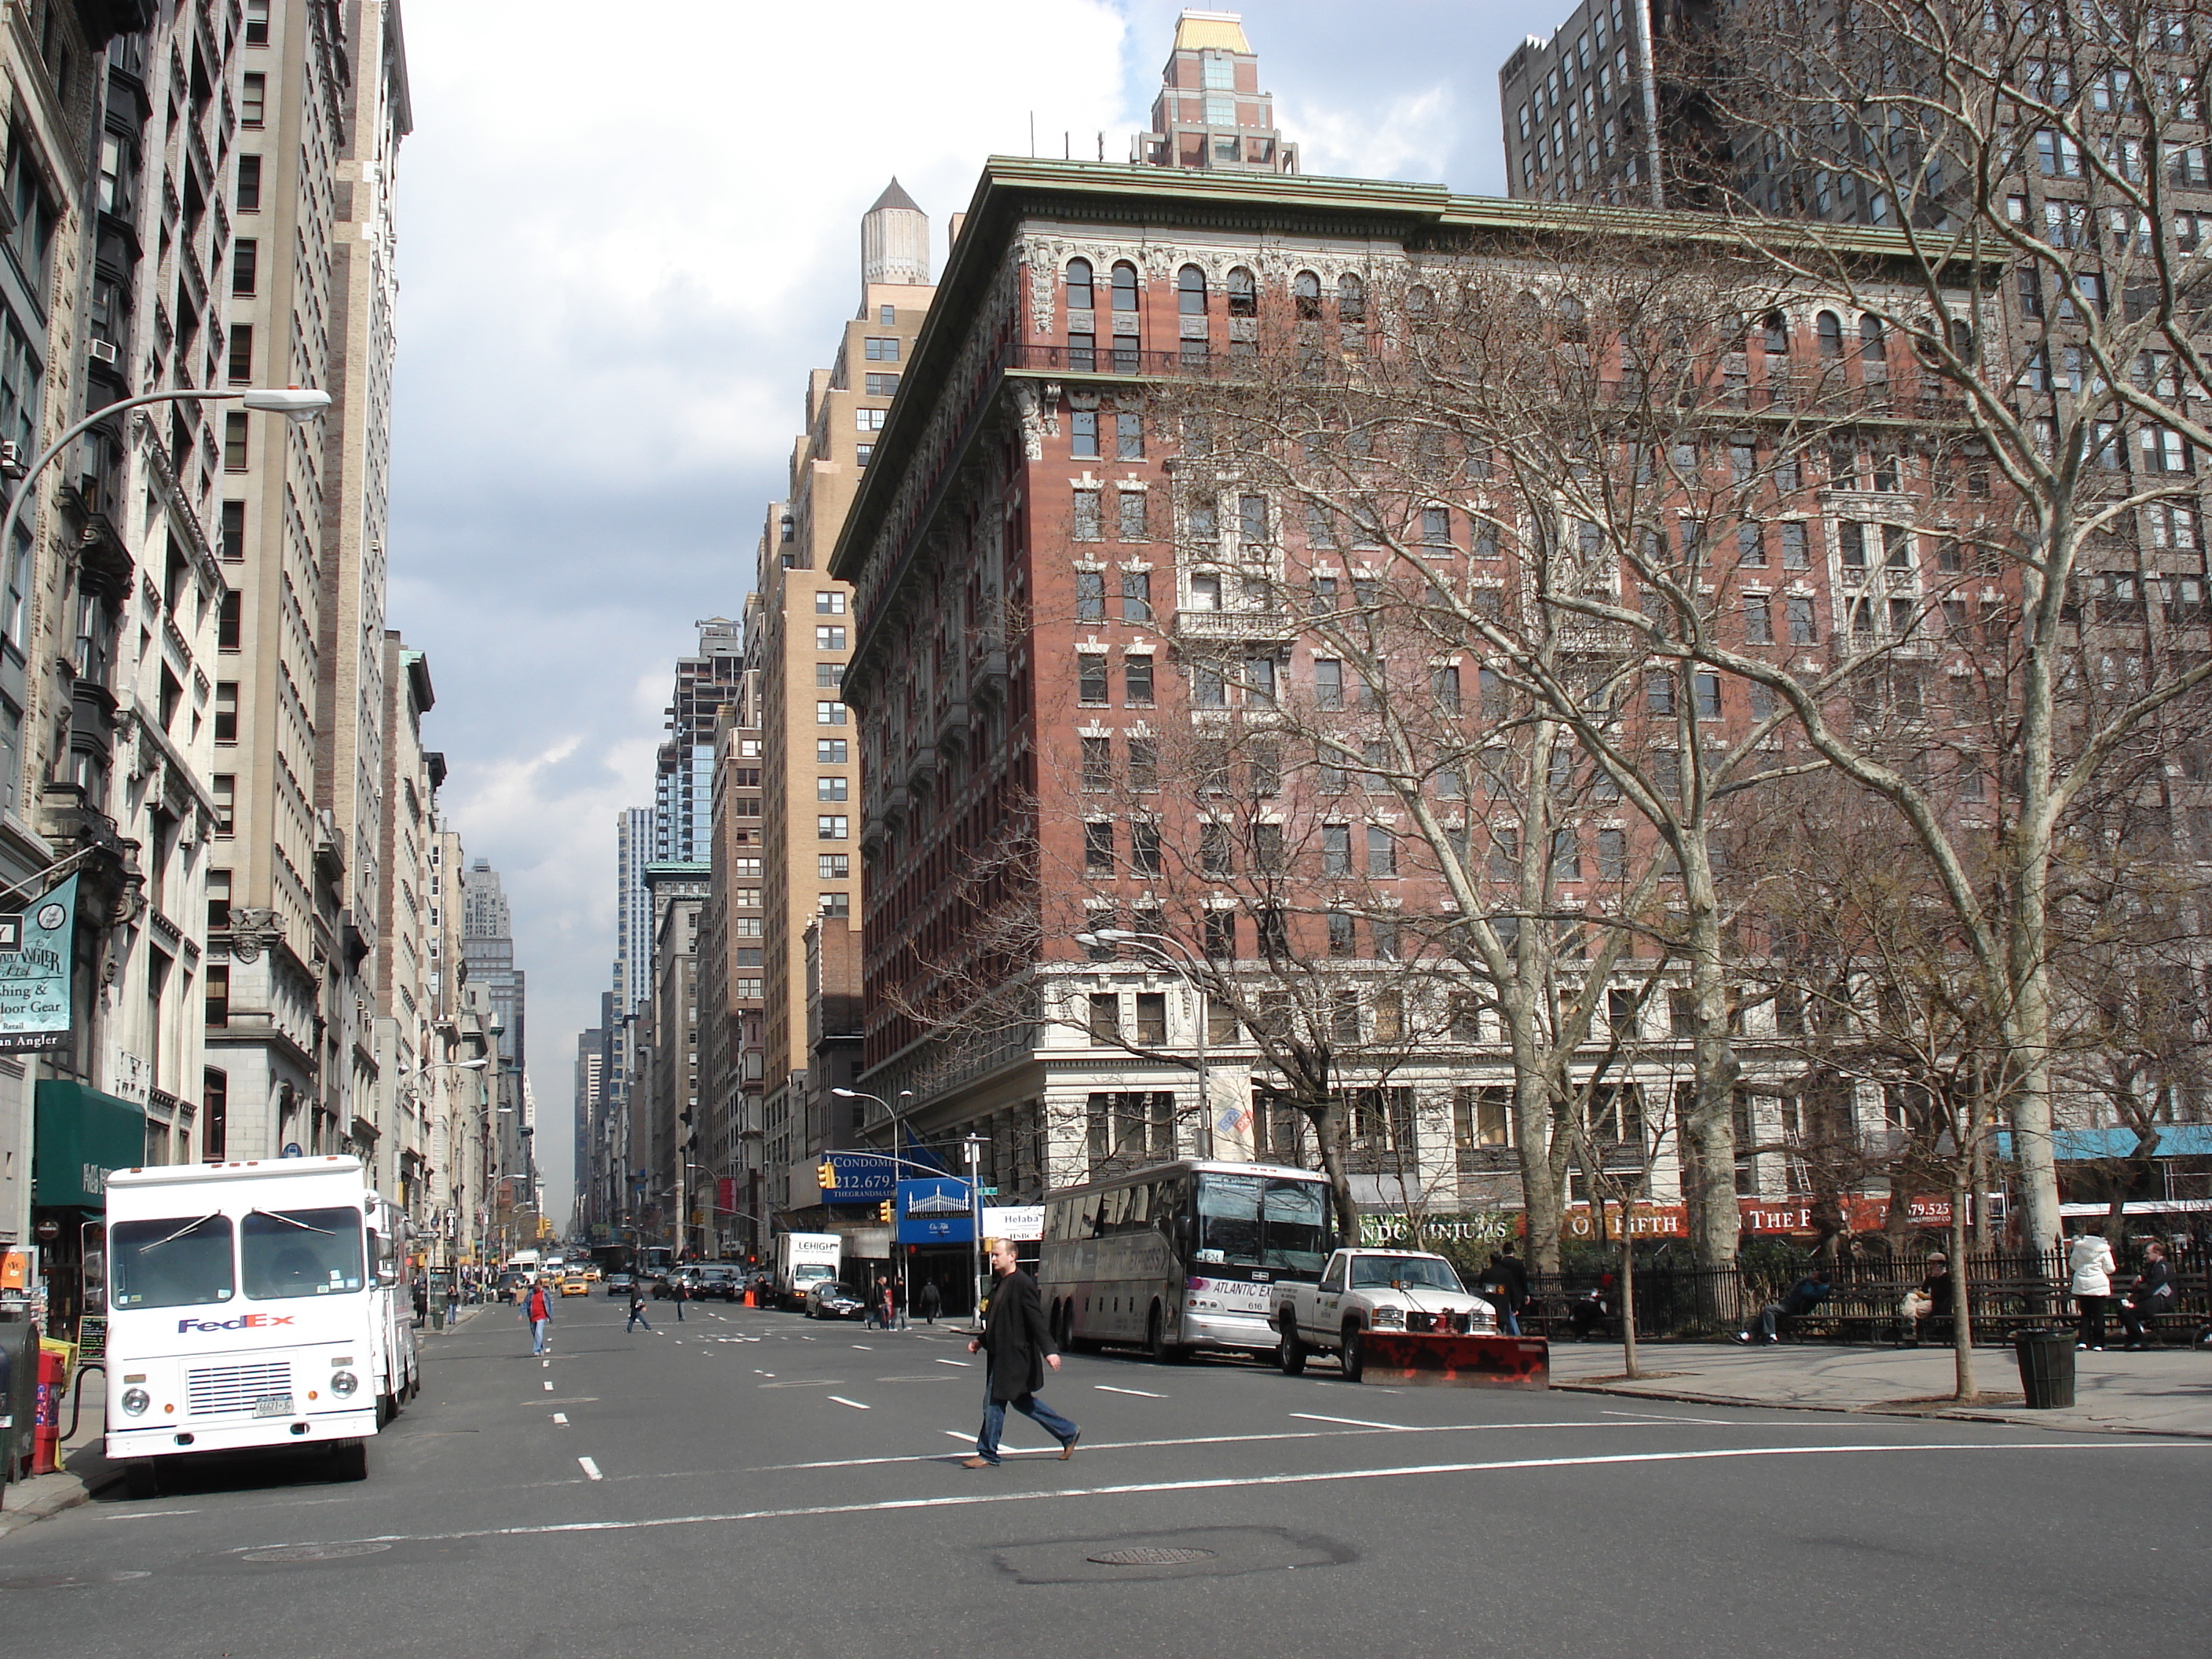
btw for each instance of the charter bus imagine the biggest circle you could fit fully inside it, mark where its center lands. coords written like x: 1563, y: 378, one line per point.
x: 240, y: 1312
x: 1182, y: 1256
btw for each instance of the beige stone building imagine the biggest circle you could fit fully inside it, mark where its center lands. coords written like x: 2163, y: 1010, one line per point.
x: 798, y: 631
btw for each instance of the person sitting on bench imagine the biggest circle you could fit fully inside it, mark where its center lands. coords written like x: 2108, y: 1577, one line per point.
x: 1932, y: 1298
x: 1807, y: 1294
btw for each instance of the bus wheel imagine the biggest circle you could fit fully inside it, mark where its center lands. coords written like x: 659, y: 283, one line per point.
x: 1354, y: 1362
x: 350, y: 1461
x: 1290, y: 1351
x: 141, y: 1482
x: 1156, y: 1338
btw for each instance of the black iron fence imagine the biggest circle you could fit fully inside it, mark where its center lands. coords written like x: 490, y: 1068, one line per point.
x: 2006, y: 1290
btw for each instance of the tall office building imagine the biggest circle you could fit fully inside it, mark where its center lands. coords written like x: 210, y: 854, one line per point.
x: 797, y: 639
x: 1211, y: 111
x: 683, y: 767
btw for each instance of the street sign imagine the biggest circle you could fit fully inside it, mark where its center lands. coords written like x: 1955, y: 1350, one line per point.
x: 935, y: 1211
x: 988, y: 1192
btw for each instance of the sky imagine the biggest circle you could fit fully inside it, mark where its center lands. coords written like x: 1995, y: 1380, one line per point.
x: 622, y: 250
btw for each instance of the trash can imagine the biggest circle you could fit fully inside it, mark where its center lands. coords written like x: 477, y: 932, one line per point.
x: 2046, y: 1368
x: 437, y: 1316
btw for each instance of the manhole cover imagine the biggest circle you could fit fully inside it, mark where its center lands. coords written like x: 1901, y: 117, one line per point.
x: 317, y: 1551
x: 66, y: 1580
x: 1149, y: 1556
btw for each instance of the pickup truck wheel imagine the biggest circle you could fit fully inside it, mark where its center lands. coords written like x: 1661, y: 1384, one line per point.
x: 1290, y: 1351
x: 1353, y: 1359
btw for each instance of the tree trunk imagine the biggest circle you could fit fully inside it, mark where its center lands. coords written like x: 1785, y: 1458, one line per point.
x: 1628, y: 1364
x: 1540, y: 1192
x: 1962, y: 1329
x: 1324, y: 1121
x: 1715, y: 1222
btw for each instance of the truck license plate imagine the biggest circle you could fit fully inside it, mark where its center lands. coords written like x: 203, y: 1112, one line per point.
x: 273, y: 1405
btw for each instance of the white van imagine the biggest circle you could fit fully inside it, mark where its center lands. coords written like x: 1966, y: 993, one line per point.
x: 241, y: 1312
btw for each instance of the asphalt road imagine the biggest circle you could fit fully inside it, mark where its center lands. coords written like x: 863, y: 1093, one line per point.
x: 753, y: 1482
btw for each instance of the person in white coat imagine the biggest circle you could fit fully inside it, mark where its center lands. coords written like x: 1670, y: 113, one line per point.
x: 2089, y: 1266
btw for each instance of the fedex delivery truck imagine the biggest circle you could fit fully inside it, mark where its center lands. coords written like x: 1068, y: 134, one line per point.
x: 243, y: 1312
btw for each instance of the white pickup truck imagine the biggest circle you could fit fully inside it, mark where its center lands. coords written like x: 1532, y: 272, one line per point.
x: 1397, y: 1291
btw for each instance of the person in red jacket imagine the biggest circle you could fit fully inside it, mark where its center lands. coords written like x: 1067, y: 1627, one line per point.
x: 537, y: 1313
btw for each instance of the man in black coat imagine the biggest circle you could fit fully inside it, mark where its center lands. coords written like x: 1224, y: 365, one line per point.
x: 1020, y: 1346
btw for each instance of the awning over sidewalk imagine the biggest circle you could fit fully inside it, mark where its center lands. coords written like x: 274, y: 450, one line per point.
x: 2088, y: 1146
x: 81, y: 1134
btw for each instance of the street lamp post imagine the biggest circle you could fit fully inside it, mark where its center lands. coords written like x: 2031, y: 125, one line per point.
x: 1184, y: 966
x: 410, y: 1085
x: 898, y: 1162
x: 972, y: 1150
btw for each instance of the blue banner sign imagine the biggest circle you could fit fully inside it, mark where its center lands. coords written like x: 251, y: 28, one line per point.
x: 858, y: 1177
x: 34, y: 972
x: 935, y: 1212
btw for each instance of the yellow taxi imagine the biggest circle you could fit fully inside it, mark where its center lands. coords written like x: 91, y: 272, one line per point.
x: 576, y: 1285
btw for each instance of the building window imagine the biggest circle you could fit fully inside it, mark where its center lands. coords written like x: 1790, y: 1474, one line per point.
x: 245, y: 265
x: 829, y: 713
x: 828, y: 675
x: 1136, y: 595
x: 833, y: 867
x: 230, y: 619
x: 233, y: 442
x: 829, y: 751
x: 1190, y: 292
x: 880, y: 351
x: 1336, y: 849
x: 224, y: 788
x: 1080, y: 292
x: 1243, y: 296
x: 1143, y: 764
x: 1129, y: 437
x: 218, y: 898
x: 1098, y: 765
x: 1802, y: 631
x: 837, y: 907
x: 226, y: 711
x: 1089, y: 586
x: 882, y: 385
x: 249, y: 184
x: 1144, y: 849
x: 1758, y: 620
x: 1083, y: 433
x: 1090, y: 679
x: 829, y: 603
x: 829, y: 639
x: 1135, y: 523
x: 217, y: 979
x: 869, y: 420
x: 1098, y: 849
x: 1105, y: 1017
x: 252, y: 97
x: 1382, y: 851
x: 257, y: 22
x: 1794, y: 546
x: 1137, y: 681
x: 242, y: 354
x: 830, y: 789
x: 832, y: 826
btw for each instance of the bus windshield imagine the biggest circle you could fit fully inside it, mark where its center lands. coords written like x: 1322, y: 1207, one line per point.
x: 1256, y: 1221
x: 1419, y: 1272
x: 173, y: 1263
x: 294, y: 1253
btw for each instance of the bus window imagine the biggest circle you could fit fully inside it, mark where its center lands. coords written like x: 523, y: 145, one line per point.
x: 1140, y: 1208
x: 1297, y: 1217
x: 172, y: 1263
x: 294, y: 1253
x: 1229, y: 1220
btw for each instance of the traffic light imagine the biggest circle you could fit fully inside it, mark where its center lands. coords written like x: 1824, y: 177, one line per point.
x: 884, y: 1211
x: 825, y: 1174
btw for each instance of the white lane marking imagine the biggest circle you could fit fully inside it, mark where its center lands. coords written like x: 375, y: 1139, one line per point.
x: 1108, y: 1388
x: 560, y: 1416
x: 803, y: 1383
x: 1219, y: 1482
x: 1662, y: 1417
x: 962, y: 1363
x: 544, y: 1364
x: 854, y: 1404
x: 1356, y: 1422
x: 865, y: 1347
x: 549, y: 1387
x: 151, y: 1515
x: 591, y: 1469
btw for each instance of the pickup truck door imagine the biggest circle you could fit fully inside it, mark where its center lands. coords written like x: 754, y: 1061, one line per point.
x: 1328, y: 1293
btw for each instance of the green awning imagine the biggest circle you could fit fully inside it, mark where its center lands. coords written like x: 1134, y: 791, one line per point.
x: 82, y: 1135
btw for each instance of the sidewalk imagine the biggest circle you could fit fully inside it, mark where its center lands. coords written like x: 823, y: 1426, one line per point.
x: 2167, y: 1391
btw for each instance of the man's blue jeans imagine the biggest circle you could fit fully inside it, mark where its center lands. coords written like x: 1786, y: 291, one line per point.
x: 538, y: 1330
x: 994, y: 1422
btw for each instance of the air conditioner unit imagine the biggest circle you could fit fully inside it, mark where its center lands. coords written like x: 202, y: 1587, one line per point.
x: 99, y: 351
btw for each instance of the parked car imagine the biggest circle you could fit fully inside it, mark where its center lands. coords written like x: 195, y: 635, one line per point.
x: 827, y: 1299
x: 619, y: 1284
x: 722, y: 1282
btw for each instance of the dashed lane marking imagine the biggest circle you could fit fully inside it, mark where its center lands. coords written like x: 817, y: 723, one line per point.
x: 1225, y: 1482
x: 1356, y: 1422
x: 591, y: 1469
x: 1108, y: 1388
x: 560, y: 1416
x: 962, y: 1363
x: 854, y: 1404
x: 549, y: 1387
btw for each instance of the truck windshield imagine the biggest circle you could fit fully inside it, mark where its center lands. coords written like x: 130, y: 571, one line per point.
x: 1255, y: 1221
x: 294, y: 1253
x: 176, y: 1263
x: 1371, y: 1272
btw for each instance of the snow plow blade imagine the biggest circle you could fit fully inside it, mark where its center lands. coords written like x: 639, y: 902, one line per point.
x: 1473, y: 1362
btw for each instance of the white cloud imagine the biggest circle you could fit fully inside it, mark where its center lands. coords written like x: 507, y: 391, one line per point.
x: 1407, y: 138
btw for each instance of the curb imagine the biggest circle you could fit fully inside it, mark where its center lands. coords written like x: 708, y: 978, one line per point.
x: 67, y: 1493
x: 1955, y: 1414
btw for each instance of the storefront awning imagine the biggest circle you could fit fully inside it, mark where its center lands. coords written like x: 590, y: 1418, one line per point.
x: 82, y: 1135
x: 2087, y: 1146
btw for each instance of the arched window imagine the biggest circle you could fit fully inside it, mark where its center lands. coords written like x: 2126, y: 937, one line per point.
x: 1774, y: 330
x: 1962, y: 339
x: 1244, y: 297
x: 1830, y: 332
x: 1125, y: 287
x: 1872, y: 343
x: 1351, y: 300
x: 1190, y: 291
x: 1420, y: 301
x: 1306, y: 292
x: 1572, y: 324
x: 1078, y: 285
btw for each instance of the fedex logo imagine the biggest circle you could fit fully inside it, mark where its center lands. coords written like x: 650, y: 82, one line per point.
x: 252, y: 1321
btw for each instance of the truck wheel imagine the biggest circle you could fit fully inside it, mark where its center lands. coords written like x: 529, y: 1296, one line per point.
x: 1353, y: 1359
x: 350, y: 1461
x: 1290, y: 1351
x: 141, y: 1482
x: 386, y: 1410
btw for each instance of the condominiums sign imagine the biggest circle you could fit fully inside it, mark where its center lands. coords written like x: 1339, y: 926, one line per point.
x: 34, y: 971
